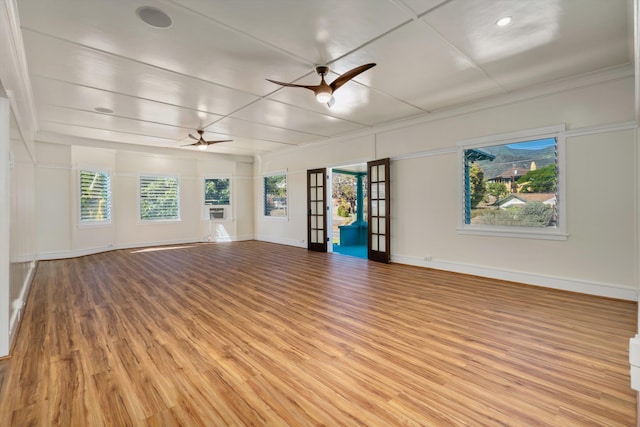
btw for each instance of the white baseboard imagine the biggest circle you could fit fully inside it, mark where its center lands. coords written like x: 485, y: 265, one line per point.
x: 572, y: 285
x: 281, y: 241
x: 217, y: 239
x: 244, y: 238
x: 158, y: 243
x: 18, y: 304
x: 46, y: 256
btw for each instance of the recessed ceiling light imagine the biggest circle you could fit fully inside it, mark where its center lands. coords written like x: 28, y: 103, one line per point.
x: 503, y: 22
x: 104, y: 110
x: 154, y: 17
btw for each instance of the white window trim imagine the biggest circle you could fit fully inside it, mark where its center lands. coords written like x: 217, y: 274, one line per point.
x: 159, y: 221
x: 228, y: 208
x: 93, y: 223
x: 547, y: 233
x: 204, y: 178
x: 283, y: 218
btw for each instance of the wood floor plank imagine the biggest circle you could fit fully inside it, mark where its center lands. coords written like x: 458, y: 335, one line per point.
x: 253, y: 333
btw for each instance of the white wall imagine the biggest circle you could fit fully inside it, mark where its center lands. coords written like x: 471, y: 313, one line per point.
x: 22, y: 226
x: 53, y: 199
x: 600, y: 255
x: 61, y: 235
x: 17, y: 209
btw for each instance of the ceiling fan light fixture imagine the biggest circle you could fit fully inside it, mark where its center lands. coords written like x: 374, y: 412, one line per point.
x: 323, y: 91
x: 202, y: 147
x: 323, y: 97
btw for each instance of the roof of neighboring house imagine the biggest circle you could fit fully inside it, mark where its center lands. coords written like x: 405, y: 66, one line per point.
x: 526, y: 198
x: 510, y: 173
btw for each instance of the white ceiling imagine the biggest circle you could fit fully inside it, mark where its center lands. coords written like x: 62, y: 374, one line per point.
x: 209, y: 69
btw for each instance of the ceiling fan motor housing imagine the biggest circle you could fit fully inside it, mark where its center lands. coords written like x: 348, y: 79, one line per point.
x: 322, y: 70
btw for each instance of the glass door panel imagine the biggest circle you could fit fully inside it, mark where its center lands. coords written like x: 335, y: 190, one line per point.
x: 316, y: 210
x: 379, y: 210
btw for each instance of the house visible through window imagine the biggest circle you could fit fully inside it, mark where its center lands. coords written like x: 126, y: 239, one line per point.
x: 275, y: 195
x: 159, y: 198
x: 217, y: 191
x: 95, y: 197
x: 513, y: 185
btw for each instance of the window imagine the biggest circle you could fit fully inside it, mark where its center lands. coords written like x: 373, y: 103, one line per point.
x: 95, y: 197
x: 512, y: 185
x: 275, y: 195
x: 217, y: 191
x: 159, y: 198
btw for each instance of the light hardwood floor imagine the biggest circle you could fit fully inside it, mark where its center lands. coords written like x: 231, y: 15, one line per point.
x: 252, y: 333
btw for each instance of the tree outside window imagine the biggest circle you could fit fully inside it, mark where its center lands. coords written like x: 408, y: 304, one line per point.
x: 159, y: 198
x: 275, y: 195
x: 95, y: 196
x: 217, y: 191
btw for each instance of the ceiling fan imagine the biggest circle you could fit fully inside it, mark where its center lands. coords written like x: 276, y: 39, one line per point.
x: 324, y: 92
x: 202, y: 144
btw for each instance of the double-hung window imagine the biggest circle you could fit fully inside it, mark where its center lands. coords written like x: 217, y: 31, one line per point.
x: 513, y: 184
x: 95, y: 197
x: 275, y: 195
x: 159, y: 198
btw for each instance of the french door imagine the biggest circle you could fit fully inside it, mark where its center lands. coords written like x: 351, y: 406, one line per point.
x: 317, y: 210
x: 379, y: 209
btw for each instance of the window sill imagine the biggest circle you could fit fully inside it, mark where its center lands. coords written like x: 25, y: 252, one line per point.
x: 516, y: 232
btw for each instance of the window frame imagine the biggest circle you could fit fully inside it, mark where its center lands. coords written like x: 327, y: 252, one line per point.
x: 558, y: 232
x: 89, y: 222
x: 204, y: 190
x: 264, y: 196
x: 158, y: 220
x: 228, y: 207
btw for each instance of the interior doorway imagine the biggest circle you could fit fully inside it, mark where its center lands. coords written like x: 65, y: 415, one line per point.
x: 348, y: 224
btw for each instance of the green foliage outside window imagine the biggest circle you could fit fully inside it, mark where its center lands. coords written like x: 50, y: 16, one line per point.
x: 497, y: 190
x: 159, y: 198
x: 275, y: 195
x: 541, y: 180
x: 217, y: 191
x: 532, y: 214
x: 476, y: 184
x: 95, y: 196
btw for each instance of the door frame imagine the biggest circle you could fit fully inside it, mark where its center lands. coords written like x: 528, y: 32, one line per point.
x: 312, y: 205
x: 377, y: 255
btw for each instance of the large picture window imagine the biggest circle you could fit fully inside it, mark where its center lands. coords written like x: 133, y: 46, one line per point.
x: 159, y: 198
x: 95, y: 197
x: 275, y: 195
x: 217, y: 191
x: 513, y: 186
